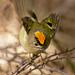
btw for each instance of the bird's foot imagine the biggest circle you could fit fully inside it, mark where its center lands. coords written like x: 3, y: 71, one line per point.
x: 42, y: 61
x: 31, y: 60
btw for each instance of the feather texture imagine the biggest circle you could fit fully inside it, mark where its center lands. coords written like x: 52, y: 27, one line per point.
x: 22, y: 7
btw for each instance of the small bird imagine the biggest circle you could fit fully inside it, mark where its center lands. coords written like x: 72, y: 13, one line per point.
x: 35, y: 36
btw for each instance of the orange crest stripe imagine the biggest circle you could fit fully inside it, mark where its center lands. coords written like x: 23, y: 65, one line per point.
x: 40, y: 36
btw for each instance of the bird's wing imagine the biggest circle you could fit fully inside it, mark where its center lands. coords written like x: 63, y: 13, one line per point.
x: 24, y: 10
x: 22, y: 7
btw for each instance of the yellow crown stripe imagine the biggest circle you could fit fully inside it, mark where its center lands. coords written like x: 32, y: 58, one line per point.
x: 40, y: 36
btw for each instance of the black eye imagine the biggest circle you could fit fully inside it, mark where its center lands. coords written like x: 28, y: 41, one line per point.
x: 36, y: 44
x: 50, y: 24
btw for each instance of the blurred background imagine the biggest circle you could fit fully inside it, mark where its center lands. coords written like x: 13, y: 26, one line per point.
x: 13, y: 54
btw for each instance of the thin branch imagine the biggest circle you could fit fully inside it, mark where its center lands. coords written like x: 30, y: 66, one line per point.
x: 10, y: 46
x: 67, y: 51
x: 55, y: 70
x: 20, y: 69
x: 40, y: 66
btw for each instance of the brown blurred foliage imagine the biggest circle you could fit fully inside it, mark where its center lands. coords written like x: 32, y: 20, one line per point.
x: 12, y: 53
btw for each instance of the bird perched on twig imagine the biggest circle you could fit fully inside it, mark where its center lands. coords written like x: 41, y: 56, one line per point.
x: 34, y: 36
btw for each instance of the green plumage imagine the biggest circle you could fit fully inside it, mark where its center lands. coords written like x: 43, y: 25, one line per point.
x: 30, y: 25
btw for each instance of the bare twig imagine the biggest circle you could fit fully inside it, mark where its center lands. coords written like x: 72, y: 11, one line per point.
x: 67, y: 51
x: 39, y: 65
x: 47, y: 60
x: 55, y: 70
x: 21, y: 68
x: 10, y: 46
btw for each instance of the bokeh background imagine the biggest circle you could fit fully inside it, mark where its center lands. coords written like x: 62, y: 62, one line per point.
x: 13, y: 54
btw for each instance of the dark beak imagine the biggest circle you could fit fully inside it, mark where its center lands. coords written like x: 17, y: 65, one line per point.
x: 43, y: 50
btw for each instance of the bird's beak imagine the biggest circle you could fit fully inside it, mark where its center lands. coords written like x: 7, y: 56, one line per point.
x: 43, y: 50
